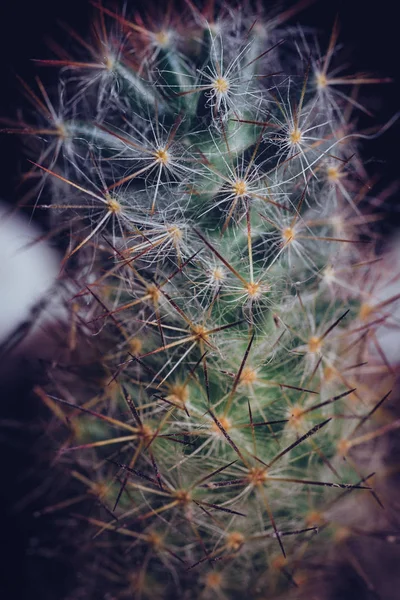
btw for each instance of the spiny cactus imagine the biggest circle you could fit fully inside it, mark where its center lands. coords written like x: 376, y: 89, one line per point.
x: 225, y: 368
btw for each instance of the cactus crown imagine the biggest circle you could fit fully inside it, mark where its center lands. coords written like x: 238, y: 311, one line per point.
x: 206, y: 167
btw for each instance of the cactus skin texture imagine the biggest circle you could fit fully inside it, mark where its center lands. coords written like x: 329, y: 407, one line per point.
x: 226, y: 318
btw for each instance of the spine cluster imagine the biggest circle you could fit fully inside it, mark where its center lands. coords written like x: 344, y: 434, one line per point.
x: 204, y: 164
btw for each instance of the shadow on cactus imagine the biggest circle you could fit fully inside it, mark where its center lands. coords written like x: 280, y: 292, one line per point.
x: 223, y: 371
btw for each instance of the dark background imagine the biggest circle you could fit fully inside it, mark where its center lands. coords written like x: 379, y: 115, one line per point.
x: 370, y: 30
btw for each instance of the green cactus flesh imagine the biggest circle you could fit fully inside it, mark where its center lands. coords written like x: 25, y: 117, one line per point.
x: 208, y: 175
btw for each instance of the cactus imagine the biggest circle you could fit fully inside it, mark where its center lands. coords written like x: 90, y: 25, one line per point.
x: 205, y: 166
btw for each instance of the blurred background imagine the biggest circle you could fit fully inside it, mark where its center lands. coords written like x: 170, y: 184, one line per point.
x: 371, y: 36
